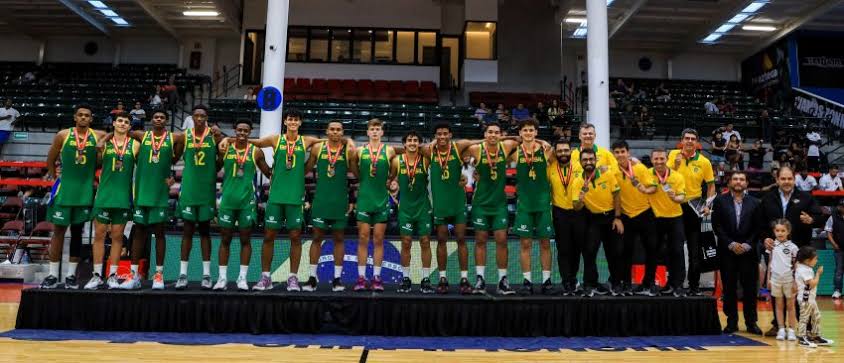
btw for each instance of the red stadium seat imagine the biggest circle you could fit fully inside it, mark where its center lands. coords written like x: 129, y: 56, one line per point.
x: 303, y: 85
x: 367, y: 90
x: 319, y: 86
x: 290, y: 86
x: 10, y: 208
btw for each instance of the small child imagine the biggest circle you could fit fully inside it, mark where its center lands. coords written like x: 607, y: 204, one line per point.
x: 807, y: 290
x: 781, y: 278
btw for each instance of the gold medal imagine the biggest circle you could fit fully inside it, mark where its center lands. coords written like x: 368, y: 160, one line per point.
x: 119, y: 165
x: 442, y: 159
x: 330, y: 172
x: 289, y: 164
x: 240, y: 171
x: 80, y: 159
x: 155, y: 159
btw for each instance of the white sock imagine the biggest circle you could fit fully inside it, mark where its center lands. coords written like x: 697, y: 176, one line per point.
x: 134, y: 269
x: 223, y: 272
x: 98, y: 268
x: 292, y: 275
x: 183, y: 267
x: 243, y: 270
x: 361, y: 270
x: 404, y: 271
x: 54, y: 269
x: 265, y: 273
x: 426, y: 271
x: 479, y: 270
x: 502, y: 273
x: 313, y: 270
x: 526, y: 275
x: 377, y: 270
x: 112, y: 270
x: 206, y: 268
x: 546, y: 275
x: 158, y: 268
x: 442, y: 274
x: 71, y: 268
x: 464, y: 274
x: 338, y: 270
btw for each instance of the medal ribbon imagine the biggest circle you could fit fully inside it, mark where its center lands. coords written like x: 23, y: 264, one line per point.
x: 82, y: 142
x: 489, y: 159
x: 332, y: 155
x: 565, y: 176
x: 591, y: 177
x: 662, y: 179
x: 373, y: 158
x: 528, y: 160
x: 411, y: 169
x: 628, y: 171
x: 442, y: 159
x: 156, y: 146
x: 120, y: 150
x: 291, y: 147
x: 197, y: 143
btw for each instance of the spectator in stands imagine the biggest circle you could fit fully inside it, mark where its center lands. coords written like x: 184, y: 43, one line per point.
x: 250, y: 94
x: 8, y: 117
x: 662, y: 93
x: 734, y: 153
x: 797, y: 155
x: 813, y: 139
x: 500, y: 111
x: 831, y: 182
x: 729, y: 132
x: 719, y: 147
x: 711, y: 108
x: 138, y: 116
x: 639, y: 94
x: 481, y: 111
x: 620, y: 89
x: 756, y: 159
x: 725, y: 107
x: 117, y: 109
x: 28, y: 77
x: 764, y: 122
x: 540, y: 113
x: 187, y: 122
x: 804, y: 181
x: 155, y: 99
x: 520, y: 113
x: 170, y: 92
x: 645, y: 122
x: 554, y: 112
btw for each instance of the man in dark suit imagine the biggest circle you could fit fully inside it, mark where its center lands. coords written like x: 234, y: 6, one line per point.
x: 798, y: 207
x: 735, y: 223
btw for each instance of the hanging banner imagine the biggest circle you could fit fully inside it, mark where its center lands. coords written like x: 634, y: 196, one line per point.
x: 766, y: 74
x: 816, y: 106
x: 821, y: 61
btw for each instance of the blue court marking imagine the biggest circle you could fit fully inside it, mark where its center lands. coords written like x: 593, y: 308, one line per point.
x: 389, y: 343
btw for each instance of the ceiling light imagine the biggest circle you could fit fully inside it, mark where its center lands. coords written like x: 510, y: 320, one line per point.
x: 738, y: 18
x: 576, y: 20
x: 200, y: 13
x: 119, y: 21
x: 98, y: 4
x: 725, y: 28
x: 712, y: 37
x: 759, y: 28
x: 580, y: 32
x: 109, y: 13
x: 754, y: 7
x: 609, y: 2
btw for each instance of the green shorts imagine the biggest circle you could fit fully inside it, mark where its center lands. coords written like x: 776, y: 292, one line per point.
x: 373, y: 218
x: 278, y: 216
x: 151, y: 215
x: 196, y: 213
x: 533, y: 224
x: 242, y: 218
x: 328, y: 224
x: 421, y: 225
x: 114, y: 216
x: 65, y: 216
x: 489, y: 219
x: 459, y: 218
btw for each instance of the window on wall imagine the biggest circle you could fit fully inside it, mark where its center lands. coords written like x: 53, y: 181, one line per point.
x: 297, y: 44
x: 253, y: 56
x: 404, y: 47
x: 318, y: 48
x: 341, y: 45
x: 362, y: 46
x: 480, y: 40
x: 426, y: 50
x: 384, y: 46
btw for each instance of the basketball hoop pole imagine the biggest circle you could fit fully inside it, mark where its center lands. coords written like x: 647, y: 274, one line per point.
x: 275, y: 52
x: 598, y: 70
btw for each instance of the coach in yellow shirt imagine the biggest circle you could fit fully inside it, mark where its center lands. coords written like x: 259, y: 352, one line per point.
x: 670, y: 193
x: 604, y: 158
x: 598, y: 192
x: 569, y: 224
x: 697, y: 171
x: 636, y: 184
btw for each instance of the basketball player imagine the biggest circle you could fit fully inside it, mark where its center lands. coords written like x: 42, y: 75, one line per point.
x: 76, y: 150
x: 637, y: 218
x: 414, y: 209
x: 489, y: 204
x: 696, y: 170
x: 286, y: 196
x: 569, y: 223
x: 331, y: 208
x: 665, y: 203
x: 372, y: 166
x: 113, y: 200
x: 238, y: 206
x: 605, y: 160
x: 533, y: 209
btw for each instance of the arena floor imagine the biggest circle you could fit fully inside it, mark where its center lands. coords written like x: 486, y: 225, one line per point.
x: 45, y: 346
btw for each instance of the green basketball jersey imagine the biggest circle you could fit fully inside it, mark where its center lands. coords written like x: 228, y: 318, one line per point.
x: 532, y: 182
x: 238, y: 181
x: 331, y: 197
x: 115, y: 190
x: 288, y: 182
x: 199, y: 178
x: 153, y: 169
x: 413, y: 194
x: 448, y: 196
x: 76, y: 188
x: 489, y: 188
x: 372, y: 190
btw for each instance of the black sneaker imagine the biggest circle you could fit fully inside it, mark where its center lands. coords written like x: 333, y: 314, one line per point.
x: 50, y: 282
x: 442, y: 286
x: 527, y: 288
x: 642, y: 290
x: 425, y: 287
x: 806, y: 342
x: 405, y: 285
x: 310, y: 285
x: 678, y: 292
x: 627, y: 289
x: 819, y: 340
x: 615, y: 289
x: 70, y: 282
x: 547, y: 287
x: 480, y: 285
x: 576, y: 290
x: 601, y: 289
x: 565, y: 289
x: 337, y: 285
x: 465, y: 286
x: 694, y: 291
x: 588, y: 291
x: 667, y: 290
x: 504, y: 287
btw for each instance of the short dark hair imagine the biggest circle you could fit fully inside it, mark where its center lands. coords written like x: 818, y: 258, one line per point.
x: 806, y: 253
x: 442, y: 125
x: 161, y: 112
x: 489, y: 124
x: 587, y: 151
x: 585, y: 125
x: 199, y: 107
x: 690, y: 131
x: 292, y: 112
x: 528, y: 122
x: 737, y: 172
x: 123, y: 114
x: 620, y: 144
x: 561, y: 141
x: 657, y: 150
x: 409, y: 134
x: 85, y: 106
x: 783, y: 168
x: 833, y: 166
x: 244, y: 121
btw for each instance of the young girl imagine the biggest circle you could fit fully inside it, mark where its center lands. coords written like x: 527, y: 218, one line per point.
x: 807, y: 290
x: 781, y: 277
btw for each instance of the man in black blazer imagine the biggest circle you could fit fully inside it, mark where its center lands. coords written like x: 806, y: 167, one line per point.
x: 798, y: 207
x: 735, y: 223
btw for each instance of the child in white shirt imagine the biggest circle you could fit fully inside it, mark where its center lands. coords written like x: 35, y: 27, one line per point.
x: 781, y: 278
x: 807, y: 291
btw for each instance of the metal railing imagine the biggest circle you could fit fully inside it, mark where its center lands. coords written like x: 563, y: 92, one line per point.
x: 230, y: 79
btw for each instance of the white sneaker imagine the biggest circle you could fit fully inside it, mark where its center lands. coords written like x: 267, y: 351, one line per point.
x: 94, y: 283
x: 221, y: 284
x: 113, y: 282
x: 133, y: 283
x: 242, y: 284
x: 158, y: 281
x: 791, y: 336
x: 781, y: 334
x: 206, y: 282
x: 836, y: 294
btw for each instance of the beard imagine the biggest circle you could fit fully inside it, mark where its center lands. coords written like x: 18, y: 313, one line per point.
x: 563, y: 159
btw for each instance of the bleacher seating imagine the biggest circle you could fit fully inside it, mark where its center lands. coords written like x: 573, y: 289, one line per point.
x: 511, y: 99
x: 364, y: 90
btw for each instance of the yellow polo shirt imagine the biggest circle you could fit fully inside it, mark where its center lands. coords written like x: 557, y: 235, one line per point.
x: 560, y: 195
x: 604, y: 158
x: 696, y: 170
x: 599, y: 197
x: 634, y: 202
x: 661, y: 204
